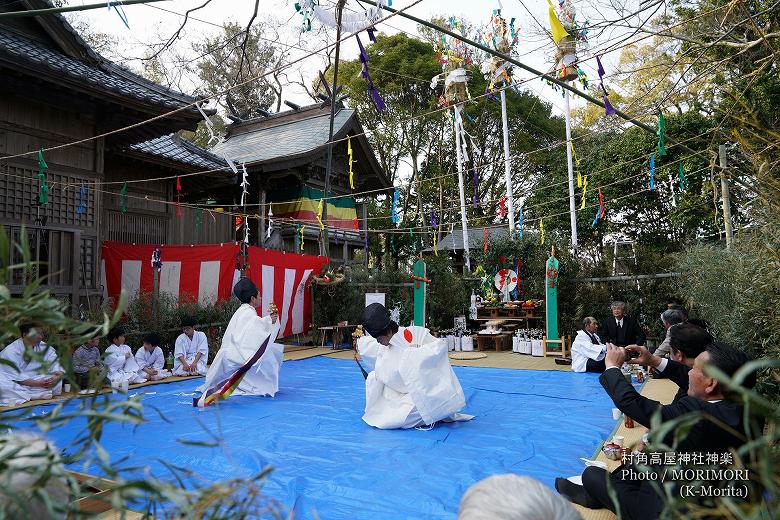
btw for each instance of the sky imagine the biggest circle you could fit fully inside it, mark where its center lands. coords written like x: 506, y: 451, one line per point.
x: 147, y: 24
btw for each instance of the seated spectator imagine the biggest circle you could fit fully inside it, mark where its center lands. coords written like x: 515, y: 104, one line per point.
x: 151, y: 360
x: 122, y: 366
x: 719, y: 429
x: 512, y: 497
x: 686, y: 341
x: 191, y: 351
x: 31, y: 368
x: 87, y: 365
x: 669, y: 317
x: 587, y: 350
x: 620, y: 329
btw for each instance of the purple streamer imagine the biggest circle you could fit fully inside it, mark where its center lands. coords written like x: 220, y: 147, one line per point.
x: 363, y: 54
x: 600, y: 68
x: 379, y: 103
x: 371, y: 33
x: 608, y: 108
x: 434, y: 220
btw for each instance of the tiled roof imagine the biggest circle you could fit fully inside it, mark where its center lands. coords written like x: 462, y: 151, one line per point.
x: 105, y: 75
x: 285, y: 139
x: 174, y: 148
x: 454, y: 241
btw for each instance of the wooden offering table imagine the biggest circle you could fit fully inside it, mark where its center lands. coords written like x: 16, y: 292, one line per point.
x: 497, y: 342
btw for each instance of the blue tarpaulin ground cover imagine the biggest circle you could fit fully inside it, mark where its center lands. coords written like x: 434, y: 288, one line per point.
x: 326, y: 459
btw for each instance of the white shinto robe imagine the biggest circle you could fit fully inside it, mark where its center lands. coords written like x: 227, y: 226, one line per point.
x: 583, y: 349
x: 189, y: 348
x: 413, y: 386
x: 243, y: 336
x: 154, y: 359
x: 13, y: 393
x: 122, y: 368
x: 368, y: 348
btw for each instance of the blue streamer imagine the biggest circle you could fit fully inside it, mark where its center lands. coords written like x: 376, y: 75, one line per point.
x: 82, y: 200
x: 652, y: 172
x: 117, y: 5
x: 394, y: 215
x: 520, y: 223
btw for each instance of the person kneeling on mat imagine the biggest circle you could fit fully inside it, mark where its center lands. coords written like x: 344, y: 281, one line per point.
x: 412, y: 383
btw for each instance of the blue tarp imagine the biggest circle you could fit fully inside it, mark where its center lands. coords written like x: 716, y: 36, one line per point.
x: 325, y: 458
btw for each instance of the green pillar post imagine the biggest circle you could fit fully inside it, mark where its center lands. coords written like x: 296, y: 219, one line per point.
x: 551, y: 302
x: 420, y: 290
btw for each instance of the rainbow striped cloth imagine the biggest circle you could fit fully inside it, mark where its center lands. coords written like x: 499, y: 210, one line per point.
x: 301, y: 205
x: 224, y: 388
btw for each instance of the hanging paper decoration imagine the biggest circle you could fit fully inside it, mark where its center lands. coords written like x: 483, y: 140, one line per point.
x: 270, y: 221
x: 351, y: 22
x: 541, y: 230
x: 365, y: 248
x: 652, y: 172
x: 117, y: 5
x: 156, y: 260
x: 371, y: 32
x: 82, y: 207
x: 520, y: 223
x: 503, y: 38
x: 566, y: 32
x: 681, y: 176
x: 244, y: 184
x: 213, y: 139
x: 671, y: 190
x: 453, y: 56
x: 600, y: 211
x: 379, y: 103
x: 485, y: 245
x: 197, y: 220
x: 394, y: 214
x: 435, y: 225
x: 319, y: 215
x: 576, y: 163
x: 297, y: 236
x: 178, y: 196
x: 475, y: 181
x: 301, y: 231
x: 584, y: 191
x: 123, y: 198
x: 661, y: 133
x: 556, y: 27
x: 351, y: 162
x: 502, y: 208
x: 43, y: 191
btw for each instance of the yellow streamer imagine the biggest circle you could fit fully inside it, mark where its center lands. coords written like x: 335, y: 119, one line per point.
x: 319, y: 215
x: 541, y: 229
x: 435, y: 249
x: 302, y: 230
x: 556, y: 27
x: 584, y: 191
x: 579, y: 179
x: 351, y: 173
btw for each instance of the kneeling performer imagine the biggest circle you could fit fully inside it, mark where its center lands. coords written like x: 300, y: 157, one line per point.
x: 248, y: 361
x: 412, y: 383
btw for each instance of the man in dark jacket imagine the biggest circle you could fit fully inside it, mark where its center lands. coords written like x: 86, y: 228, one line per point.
x: 717, y: 431
x: 621, y: 330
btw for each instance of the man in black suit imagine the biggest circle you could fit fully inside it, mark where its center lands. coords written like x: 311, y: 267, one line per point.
x: 621, y: 330
x: 686, y: 342
x: 639, y: 499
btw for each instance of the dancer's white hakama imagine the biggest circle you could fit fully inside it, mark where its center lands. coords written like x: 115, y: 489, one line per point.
x: 413, y: 383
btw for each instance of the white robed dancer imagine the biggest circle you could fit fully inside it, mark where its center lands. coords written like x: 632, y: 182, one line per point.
x: 120, y: 361
x: 412, y: 383
x: 191, y: 351
x: 39, y: 374
x: 150, y: 359
x: 587, y: 350
x: 230, y: 372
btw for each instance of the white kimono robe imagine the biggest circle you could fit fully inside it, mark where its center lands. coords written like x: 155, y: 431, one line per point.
x: 413, y: 386
x: 189, y: 348
x: 368, y: 348
x: 154, y: 359
x: 11, y: 392
x: 243, y: 336
x: 122, y: 368
x: 583, y: 349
